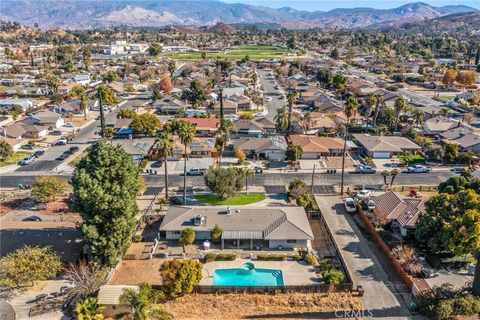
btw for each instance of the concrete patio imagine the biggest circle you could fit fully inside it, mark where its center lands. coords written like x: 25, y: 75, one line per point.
x: 294, y: 273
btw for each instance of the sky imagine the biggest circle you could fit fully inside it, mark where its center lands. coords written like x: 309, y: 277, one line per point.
x: 325, y: 5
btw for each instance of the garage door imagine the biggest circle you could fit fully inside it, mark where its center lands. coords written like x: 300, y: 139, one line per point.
x: 381, y: 155
x: 309, y: 155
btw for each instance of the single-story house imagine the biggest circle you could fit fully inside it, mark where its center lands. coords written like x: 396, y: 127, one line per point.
x: 439, y: 124
x: 15, y: 143
x: 256, y: 127
x: 464, y: 138
x: 314, y: 147
x: 202, y: 148
x: 321, y: 123
x: 109, y: 298
x: 25, y: 104
x: 384, y: 147
x: 169, y: 105
x: 229, y: 107
x: 137, y: 148
x: 204, y: 126
x: 402, y: 212
x: 271, y: 148
x: 48, y: 118
x: 242, y: 228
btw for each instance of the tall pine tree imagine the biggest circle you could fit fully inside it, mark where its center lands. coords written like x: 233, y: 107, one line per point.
x: 105, y: 186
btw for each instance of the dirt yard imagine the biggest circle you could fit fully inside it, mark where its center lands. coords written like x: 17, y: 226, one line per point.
x: 249, y: 306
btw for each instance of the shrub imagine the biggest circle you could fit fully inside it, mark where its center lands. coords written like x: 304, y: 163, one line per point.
x: 209, y: 257
x: 311, y: 259
x: 137, y: 238
x: 180, y: 276
x: 333, y: 276
x: 325, y: 264
x: 297, y: 257
x: 271, y: 257
x: 216, y: 234
x: 143, y: 164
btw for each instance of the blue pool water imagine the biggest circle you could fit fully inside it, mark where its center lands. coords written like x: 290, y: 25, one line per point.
x: 247, y: 275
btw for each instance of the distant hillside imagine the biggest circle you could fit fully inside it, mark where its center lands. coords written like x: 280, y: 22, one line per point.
x: 222, y: 28
x: 258, y: 25
x: 74, y: 14
x: 469, y: 21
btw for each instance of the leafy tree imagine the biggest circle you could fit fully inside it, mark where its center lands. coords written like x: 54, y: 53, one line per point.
x: 77, y: 92
x: 400, y: 106
x: 180, y: 276
x: 335, y: 54
x: 105, y: 187
x: 339, y: 81
x: 450, y: 153
x: 451, y: 222
x: 141, y: 301
x: 155, y: 49
x: 216, y: 234
x: 6, y: 150
x: 146, y: 123
x: 45, y: 188
x: 282, y: 119
x: 166, y: 84
x: 449, y: 77
x: 186, y: 133
x: 89, y: 309
x: 108, y: 96
x: 467, y: 78
x: 172, y: 66
x: 325, y: 77
x: 187, y: 237
x: 165, y: 150
x: 294, y: 152
x: 222, y: 181
x: 333, y: 276
x: 27, y: 265
x: 126, y: 114
x: 110, y: 76
x: 453, y: 185
x: 240, y: 155
x: 195, y: 94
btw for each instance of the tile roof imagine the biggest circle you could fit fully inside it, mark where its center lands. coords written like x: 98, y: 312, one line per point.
x: 315, y: 143
x: 385, y: 143
x: 394, y: 207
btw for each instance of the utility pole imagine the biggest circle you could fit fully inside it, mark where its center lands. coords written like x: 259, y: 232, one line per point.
x: 343, y: 159
x: 313, y: 176
x: 221, y: 104
x: 102, y: 115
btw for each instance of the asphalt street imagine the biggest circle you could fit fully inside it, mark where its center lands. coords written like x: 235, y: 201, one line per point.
x: 278, y: 100
x: 322, y: 181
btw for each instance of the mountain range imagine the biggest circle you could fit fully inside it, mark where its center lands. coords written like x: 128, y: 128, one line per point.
x: 86, y: 14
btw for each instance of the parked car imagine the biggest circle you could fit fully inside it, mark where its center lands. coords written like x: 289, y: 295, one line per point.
x: 350, y: 206
x: 62, y: 157
x: 72, y: 150
x: 418, y: 169
x: 32, y: 218
x: 61, y: 142
x: 157, y: 164
x: 56, y: 133
x: 27, y: 160
x: 258, y: 169
x: 364, y: 169
x: 458, y: 169
x: 69, y: 125
x: 368, y: 204
x: 363, y: 194
x: 195, y: 172
x: 27, y: 147
x: 428, y: 273
x: 268, y: 99
x: 38, y: 153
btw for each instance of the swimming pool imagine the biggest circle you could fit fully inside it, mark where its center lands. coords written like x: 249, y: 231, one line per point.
x: 247, y: 275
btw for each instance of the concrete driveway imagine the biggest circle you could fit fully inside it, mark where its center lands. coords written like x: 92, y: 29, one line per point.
x: 382, y: 296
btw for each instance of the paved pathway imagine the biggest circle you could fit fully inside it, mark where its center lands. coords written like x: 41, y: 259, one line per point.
x: 381, y: 296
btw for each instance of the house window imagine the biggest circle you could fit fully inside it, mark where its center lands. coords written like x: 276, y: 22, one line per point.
x: 291, y: 241
x: 176, y: 232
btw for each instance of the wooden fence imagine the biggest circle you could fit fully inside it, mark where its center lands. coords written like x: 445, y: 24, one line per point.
x: 318, y: 288
x: 386, y: 249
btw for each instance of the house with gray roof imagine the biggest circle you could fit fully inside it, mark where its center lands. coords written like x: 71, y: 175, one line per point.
x: 467, y: 140
x: 403, y: 212
x: 384, y: 147
x: 271, y: 148
x: 242, y: 228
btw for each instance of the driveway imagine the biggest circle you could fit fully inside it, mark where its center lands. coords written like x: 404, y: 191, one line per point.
x: 381, y: 295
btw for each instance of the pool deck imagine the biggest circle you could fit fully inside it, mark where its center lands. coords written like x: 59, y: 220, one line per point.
x: 294, y: 273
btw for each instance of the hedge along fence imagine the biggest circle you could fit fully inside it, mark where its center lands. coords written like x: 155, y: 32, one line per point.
x: 386, y: 249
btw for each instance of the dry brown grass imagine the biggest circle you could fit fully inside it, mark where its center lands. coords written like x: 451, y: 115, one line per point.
x: 244, y: 306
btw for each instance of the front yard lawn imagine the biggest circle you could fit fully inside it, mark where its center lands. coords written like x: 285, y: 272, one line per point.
x: 17, y: 156
x: 413, y: 159
x: 238, y: 199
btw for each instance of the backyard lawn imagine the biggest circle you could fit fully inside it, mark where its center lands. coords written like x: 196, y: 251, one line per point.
x: 254, y: 52
x: 238, y: 199
x: 17, y: 156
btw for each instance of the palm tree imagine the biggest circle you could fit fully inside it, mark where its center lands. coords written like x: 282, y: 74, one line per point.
x: 445, y: 112
x: 385, y: 174
x: 140, y: 301
x: 306, y: 122
x: 282, y: 119
x: 291, y: 98
x: 223, y: 136
x: 370, y: 101
x: 186, y: 133
x: 247, y: 172
x: 379, y: 99
x: 165, y: 148
x: 351, y: 107
x: 89, y: 309
x: 418, y: 116
x: 393, y: 174
x: 400, y: 106
x: 84, y: 105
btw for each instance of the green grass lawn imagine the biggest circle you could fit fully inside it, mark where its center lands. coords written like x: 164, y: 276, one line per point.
x: 17, y: 156
x: 236, y: 200
x: 254, y: 52
x: 413, y: 159
x: 445, y: 98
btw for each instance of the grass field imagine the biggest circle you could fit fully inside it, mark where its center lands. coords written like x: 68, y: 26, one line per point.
x: 17, y: 156
x: 238, y: 199
x: 254, y: 53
